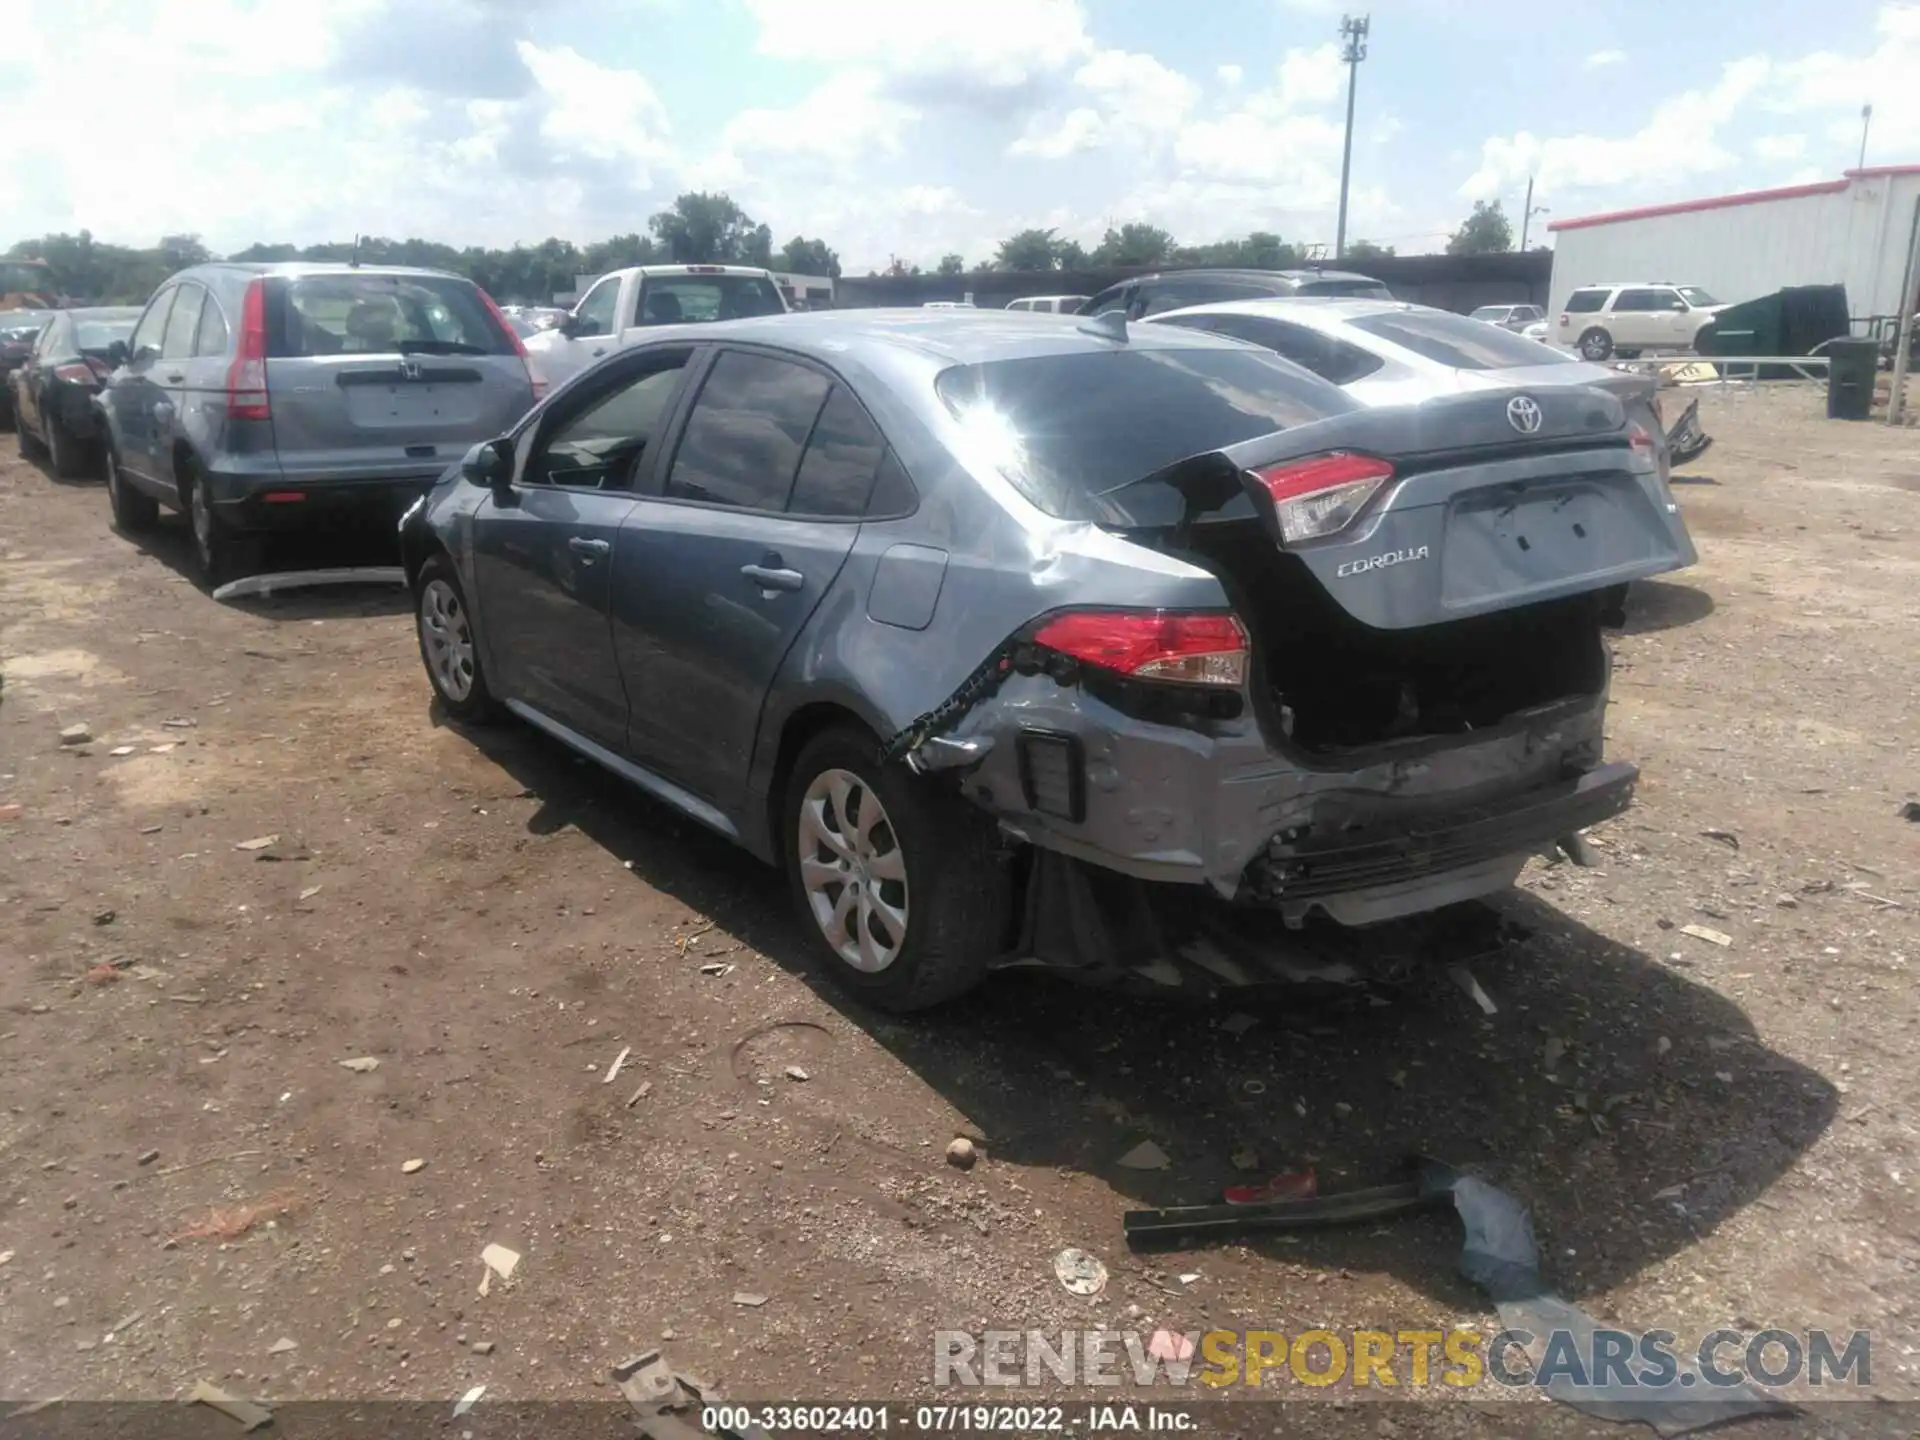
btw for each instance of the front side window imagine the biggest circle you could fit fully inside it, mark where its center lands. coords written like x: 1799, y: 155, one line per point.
x: 596, y: 313
x: 1641, y: 301
x: 146, y: 335
x: 601, y: 446
x: 743, y: 442
x: 1586, y: 302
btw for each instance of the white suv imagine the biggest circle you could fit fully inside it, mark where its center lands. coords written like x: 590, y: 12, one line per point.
x: 1603, y: 320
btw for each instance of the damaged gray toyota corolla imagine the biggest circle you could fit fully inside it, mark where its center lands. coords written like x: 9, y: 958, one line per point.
x: 899, y: 601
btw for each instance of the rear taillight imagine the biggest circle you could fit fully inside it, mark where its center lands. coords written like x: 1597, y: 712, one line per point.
x: 1187, y: 647
x: 1315, y: 498
x: 75, y: 374
x: 1563, y: 319
x: 247, y: 375
x: 519, y: 345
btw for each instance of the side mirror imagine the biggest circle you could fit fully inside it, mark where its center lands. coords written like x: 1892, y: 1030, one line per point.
x: 571, y: 326
x: 145, y: 355
x: 117, y: 354
x: 490, y: 466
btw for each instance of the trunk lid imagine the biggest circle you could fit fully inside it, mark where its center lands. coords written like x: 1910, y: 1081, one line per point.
x: 374, y: 376
x: 1497, y: 499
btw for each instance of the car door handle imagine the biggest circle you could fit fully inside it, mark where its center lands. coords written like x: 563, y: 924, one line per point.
x: 589, y: 550
x: 601, y: 351
x: 774, y: 577
x: 175, y: 379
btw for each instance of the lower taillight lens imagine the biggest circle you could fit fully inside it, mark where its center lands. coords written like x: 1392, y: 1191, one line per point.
x: 1181, y: 646
x: 1321, y: 496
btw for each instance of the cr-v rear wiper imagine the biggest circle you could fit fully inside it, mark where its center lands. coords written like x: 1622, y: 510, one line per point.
x: 440, y: 347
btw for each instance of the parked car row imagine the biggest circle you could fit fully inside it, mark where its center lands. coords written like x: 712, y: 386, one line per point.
x: 52, y: 390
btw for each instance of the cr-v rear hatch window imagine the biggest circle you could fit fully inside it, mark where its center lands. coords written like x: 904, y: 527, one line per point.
x: 1064, y: 428
x: 1355, y: 289
x: 375, y: 314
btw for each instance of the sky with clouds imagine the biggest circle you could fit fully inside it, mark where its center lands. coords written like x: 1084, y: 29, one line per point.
x: 916, y: 127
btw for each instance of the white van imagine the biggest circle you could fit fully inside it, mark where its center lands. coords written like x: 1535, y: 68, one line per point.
x: 1051, y: 304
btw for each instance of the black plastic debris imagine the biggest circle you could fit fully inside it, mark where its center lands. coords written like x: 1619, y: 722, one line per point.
x: 1910, y: 810
x: 1500, y: 1256
x: 1686, y: 442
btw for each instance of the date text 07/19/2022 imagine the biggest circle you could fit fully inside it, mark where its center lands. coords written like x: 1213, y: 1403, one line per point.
x: 965, y: 1419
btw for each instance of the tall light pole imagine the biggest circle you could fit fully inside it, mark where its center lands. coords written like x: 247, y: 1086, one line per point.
x: 1528, y: 211
x: 1866, y: 123
x: 1353, y: 49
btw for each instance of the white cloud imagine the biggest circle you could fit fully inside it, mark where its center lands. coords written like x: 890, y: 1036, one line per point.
x: 1131, y: 99
x: 1600, y: 59
x: 1230, y: 74
x: 1835, y: 86
x: 1679, y: 139
x: 991, y: 44
x: 847, y: 117
x: 1780, y: 147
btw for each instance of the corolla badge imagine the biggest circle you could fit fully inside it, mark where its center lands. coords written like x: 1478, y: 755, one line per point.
x: 1376, y: 562
x: 1523, y: 413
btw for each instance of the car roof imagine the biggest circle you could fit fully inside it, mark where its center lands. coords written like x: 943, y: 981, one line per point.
x: 317, y: 267
x: 697, y: 270
x: 1627, y: 284
x: 1321, y: 312
x: 1292, y: 276
x: 958, y: 336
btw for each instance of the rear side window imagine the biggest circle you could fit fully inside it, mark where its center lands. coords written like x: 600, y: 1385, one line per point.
x: 1459, y: 341
x: 374, y: 314
x: 842, y: 455
x: 742, y: 443
x: 212, y: 339
x: 182, y: 323
x: 672, y: 299
x: 1586, y: 302
x: 1334, y: 361
x: 1063, y: 428
x: 1359, y: 289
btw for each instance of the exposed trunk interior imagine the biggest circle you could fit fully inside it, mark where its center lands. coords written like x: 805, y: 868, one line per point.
x: 1333, y: 684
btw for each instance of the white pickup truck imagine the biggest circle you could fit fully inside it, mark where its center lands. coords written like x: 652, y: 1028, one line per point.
x: 622, y: 304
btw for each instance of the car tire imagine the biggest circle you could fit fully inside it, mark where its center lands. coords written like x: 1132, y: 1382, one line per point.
x: 132, y: 511
x: 1596, y: 345
x: 449, y: 649
x: 219, y: 551
x: 932, y: 887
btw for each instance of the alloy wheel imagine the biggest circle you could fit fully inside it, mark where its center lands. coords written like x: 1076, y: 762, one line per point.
x: 447, y: 639
x: 853, y: 870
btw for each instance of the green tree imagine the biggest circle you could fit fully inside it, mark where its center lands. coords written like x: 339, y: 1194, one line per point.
x: 1135, y: 243
x: 951, y: 264
x: 1486, y: 231
x: 808, y: 257
x: 1071, y: 255
x: 1367, y: 250
x: 710, y: 229
x: 1028, y: 250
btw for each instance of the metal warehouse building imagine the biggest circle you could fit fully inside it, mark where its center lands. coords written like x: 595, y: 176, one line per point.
x: 1854, y: 231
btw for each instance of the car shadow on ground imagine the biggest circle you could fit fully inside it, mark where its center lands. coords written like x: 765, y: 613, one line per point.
x: 1656, y: 605
x: 1632, y: 1108
x: 171, y: 543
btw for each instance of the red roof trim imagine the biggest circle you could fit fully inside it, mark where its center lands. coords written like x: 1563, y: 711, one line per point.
x: 1874, y: 171
x: 1688, y: 207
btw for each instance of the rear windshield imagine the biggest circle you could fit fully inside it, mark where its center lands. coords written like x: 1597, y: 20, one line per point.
x: 97, y: 335
x: 670, y: 299
x: 1585, y: 302
x: 1363, y: 289
x: 1459, y: 341
x: 380, y: 315
x: 1063, y: 428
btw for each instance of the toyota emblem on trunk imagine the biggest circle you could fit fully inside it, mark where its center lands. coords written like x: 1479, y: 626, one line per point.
x: 1523, y: 413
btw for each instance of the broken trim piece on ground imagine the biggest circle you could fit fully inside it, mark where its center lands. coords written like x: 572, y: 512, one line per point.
x: 1501, y: 1256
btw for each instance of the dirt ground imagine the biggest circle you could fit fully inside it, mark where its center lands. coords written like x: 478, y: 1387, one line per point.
x: 1707, y: 1135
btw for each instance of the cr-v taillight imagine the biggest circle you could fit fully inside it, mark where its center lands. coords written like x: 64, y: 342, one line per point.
x: 1321, y: 495
x: 1192, y: 647
x: 519, y: 345
x: 247, y: 375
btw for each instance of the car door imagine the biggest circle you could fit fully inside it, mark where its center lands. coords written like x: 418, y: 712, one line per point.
x: 594, y: 325
x: 30, y: 381
x: 717, y: 572
x: 1637, y: 319
x: 543, y: 555
x: 170, y: 380
x: 136, y: 392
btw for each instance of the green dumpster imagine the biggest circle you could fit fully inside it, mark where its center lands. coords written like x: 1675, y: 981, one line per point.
x: 1850, y: 375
